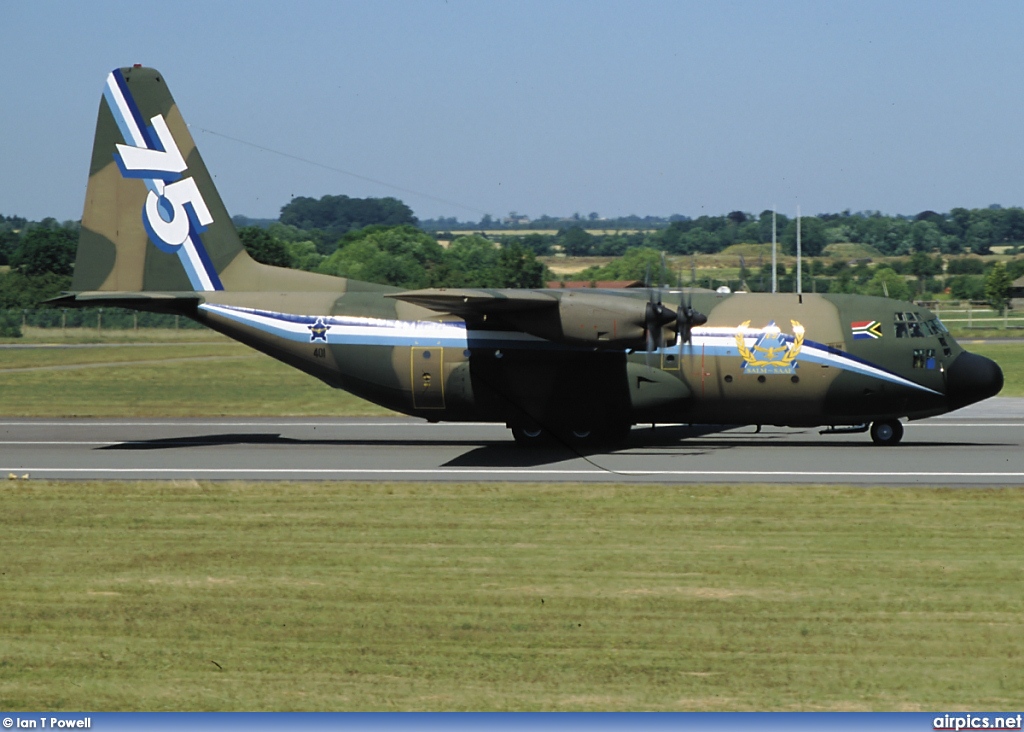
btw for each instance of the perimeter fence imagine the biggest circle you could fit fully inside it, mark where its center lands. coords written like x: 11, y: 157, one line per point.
x: 975, y: 315
x: 12, y: 321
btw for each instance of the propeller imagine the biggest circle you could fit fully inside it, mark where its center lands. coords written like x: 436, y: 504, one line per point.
x: 690, y: 318
x: 658, y: 316
x: 656, y: 319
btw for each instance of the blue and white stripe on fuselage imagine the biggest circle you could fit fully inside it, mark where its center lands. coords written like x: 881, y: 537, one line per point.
x: 719, y: 341
x: 365, y: 331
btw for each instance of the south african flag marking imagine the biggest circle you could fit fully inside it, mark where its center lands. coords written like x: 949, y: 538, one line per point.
x: 865, y: 329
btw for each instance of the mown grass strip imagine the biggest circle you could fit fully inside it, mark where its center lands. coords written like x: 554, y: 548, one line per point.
x: 219, y: 379
x: 1010, y: 357
x: 499, y: 596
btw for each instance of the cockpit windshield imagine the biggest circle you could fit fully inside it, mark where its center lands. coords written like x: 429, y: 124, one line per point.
x: 913, y: 325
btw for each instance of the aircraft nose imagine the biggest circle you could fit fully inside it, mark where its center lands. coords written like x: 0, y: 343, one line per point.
x: 972, y: 378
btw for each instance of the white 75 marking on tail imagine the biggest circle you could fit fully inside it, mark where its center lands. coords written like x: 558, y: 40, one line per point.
x: 173, y: 210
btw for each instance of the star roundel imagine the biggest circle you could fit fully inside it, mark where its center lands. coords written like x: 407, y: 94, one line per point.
x: 318, y: 331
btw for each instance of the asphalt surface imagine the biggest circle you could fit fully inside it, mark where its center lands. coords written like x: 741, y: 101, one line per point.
x: 982, y: 445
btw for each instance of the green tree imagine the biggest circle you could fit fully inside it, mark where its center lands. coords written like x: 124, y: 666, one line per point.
x: 46, y: 250
x: 10, y: 324
x: 843, y: 283
x: 924, y: 267
x: 966, y: 287
x: 640, y: 263
x: 979, y: 236
x: 966, y: 265
x: 341, y: 214
x: 925, y: 236
x: 263, y: 247
x: 471, y: 261
x: 19, y: 290
x: 576, y: 242
x: 812, y: 236
x: 400, y: 255
x: 304, y: 255
x: 887, y: 283
x: 997, y: 287
x: 539, y: 244
x: 518, y: 267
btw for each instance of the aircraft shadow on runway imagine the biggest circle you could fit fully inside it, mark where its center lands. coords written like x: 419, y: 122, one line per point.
x: 268, y: 438
x: 666, y: 443
x: 495, y: 453
x: 676, y: 440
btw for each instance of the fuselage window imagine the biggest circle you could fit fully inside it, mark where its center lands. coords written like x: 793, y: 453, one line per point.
x: 924, y: 358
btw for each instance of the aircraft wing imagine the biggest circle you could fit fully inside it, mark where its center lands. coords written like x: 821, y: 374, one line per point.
x: 469, y: 303
x: 594, y: 319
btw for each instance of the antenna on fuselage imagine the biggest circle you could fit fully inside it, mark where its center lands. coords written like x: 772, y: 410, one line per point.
x: 799, y: 287
x: 775, y: 272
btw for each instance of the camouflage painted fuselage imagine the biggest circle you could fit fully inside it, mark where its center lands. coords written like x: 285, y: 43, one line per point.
x: 809, y: 369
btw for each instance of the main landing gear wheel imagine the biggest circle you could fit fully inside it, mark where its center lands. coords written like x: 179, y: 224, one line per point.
x: 887, y: 432
x: 531, y: 436
x: 580, y: 436
x: 600, y: 435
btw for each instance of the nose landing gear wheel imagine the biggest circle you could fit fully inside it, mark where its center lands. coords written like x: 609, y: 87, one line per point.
x: 887, y: 432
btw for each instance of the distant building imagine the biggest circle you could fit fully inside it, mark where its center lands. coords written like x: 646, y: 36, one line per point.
x: 1017, y: 293
x: 516, y: 220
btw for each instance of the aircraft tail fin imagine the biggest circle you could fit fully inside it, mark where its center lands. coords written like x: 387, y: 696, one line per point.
x: 153, y: 219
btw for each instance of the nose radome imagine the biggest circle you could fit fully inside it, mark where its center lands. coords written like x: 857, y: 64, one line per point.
x: 972, y: 378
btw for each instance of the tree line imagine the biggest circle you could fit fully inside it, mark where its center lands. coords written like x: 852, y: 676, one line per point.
x: 403, y: 256
x: 379, y: 240
x: 958, y: 231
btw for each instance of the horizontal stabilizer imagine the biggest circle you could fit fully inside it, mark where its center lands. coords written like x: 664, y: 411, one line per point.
x: 157, y: 302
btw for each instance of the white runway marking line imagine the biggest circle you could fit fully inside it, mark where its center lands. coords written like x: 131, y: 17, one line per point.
x: 85, y: 422
x: 966, y: 424
x: 527, y: 471
x: 197, y: 423
x: 63, y: 442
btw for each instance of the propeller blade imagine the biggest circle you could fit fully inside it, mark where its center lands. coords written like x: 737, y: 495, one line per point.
x: 656, y: 319
x: 690, y: 318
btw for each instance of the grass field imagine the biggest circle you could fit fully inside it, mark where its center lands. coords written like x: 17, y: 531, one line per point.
x: 173, y: 380
x: 347, y: 596
x: 396, y: 596
x: 1010, y: 357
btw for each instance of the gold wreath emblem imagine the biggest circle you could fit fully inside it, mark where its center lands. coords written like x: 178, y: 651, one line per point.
x: 787, y: 359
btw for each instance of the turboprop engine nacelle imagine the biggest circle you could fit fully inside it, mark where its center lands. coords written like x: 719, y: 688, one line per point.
x: 597, y: 320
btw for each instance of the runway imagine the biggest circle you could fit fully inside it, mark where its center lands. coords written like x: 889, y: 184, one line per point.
x: 982, y: 445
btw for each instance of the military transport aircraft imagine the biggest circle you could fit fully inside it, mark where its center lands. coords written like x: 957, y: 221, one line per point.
x: 580, y: 367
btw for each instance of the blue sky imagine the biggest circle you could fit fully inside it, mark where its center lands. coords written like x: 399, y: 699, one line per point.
x: 539, y: 107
